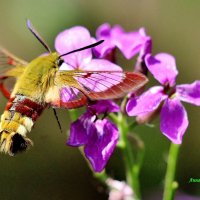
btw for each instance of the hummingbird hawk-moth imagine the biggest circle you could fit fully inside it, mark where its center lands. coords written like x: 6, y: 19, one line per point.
x: 39, y: 85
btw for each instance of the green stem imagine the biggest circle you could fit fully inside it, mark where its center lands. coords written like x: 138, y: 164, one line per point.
x: 133, y: 125
x: 102, y: 177
x: 132, y: 174
x: 73, y: 114
x: 170, y: 184
x: 113, y: 117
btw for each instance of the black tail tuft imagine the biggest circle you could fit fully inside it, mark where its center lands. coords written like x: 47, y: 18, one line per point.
x: 13, y: 143
x: 19, y: 144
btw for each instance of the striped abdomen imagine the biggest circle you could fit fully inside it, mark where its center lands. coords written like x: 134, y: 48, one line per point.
x: 18, y: 119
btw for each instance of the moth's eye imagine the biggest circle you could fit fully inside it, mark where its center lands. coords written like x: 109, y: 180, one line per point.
x: 60, y: 62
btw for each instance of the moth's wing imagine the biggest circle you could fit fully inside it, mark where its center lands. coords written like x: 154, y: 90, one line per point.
x: 63, y: 96
x: 10, y: 67
x: 95, y: 85
x: 98, y: 85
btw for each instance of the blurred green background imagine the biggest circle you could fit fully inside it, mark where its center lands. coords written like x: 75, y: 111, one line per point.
x: 51, y: 170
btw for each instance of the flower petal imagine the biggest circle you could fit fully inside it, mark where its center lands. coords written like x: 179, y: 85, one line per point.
x: 189, y: 92
x: 106, y: 31
x: 79, y: 130
x: 140, y: 65
x: 72, y: 39
x: 119, y: 190
x: 109, y: 35
x: 174, y: 121
x: 66, y: 66
x: 78, y: 134
x: 103, y: 31
x: 103, y: 106
x: 147, y: 102
x: 163, y: 68
x: 129, y: 43
x: 132, y: 43
x: 101, y: 144
x: 102, y: 50
x: 101, y: 65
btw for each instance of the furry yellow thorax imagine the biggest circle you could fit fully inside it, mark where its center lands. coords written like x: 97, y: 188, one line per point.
x: 37, y: 77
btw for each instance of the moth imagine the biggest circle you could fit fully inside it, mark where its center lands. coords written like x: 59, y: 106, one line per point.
x: 40, y: 84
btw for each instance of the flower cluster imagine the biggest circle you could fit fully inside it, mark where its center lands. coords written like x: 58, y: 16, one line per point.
x: 173, y: 116
x: 98, y: 135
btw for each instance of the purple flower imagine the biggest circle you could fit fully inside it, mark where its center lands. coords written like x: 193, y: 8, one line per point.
x: 119, y: 190
x: 129, y: 43
x: 99, y: 136
x: 72, y: 39
x: 173, y: 116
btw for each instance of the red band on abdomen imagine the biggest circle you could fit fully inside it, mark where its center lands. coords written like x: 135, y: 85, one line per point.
x: 25, y: 106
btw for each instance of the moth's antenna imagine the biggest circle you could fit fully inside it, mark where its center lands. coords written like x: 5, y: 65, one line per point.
x: 37, y: 35
x: 83, y: 48
x: 55, y: 114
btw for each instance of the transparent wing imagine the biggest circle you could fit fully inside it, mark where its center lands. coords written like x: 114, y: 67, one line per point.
x: 10, y: 66
x: 77, y: 99
x: 108, y: 84
x: 9, y: 61
x: 73, y: 88
x: 65, y: 97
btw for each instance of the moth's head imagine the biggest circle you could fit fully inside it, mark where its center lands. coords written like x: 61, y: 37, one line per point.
x: 58, y: 61
x: 53, y: 59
